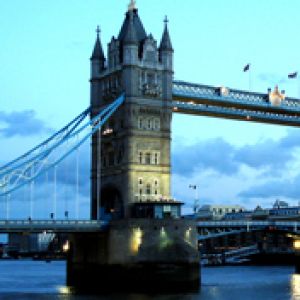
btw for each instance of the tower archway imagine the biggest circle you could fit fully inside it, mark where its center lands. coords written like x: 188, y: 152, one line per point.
x: 111, y: 206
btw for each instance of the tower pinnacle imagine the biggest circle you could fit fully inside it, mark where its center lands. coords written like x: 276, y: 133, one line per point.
x: 165, y: 43
x: 131, y: 5
x: 98, y: 31
x: 98, y: 51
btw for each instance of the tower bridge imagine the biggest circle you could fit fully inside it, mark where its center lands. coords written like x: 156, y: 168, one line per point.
x: 136, y: 236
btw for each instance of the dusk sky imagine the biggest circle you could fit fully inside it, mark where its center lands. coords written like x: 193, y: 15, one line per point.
x: 44, y: 83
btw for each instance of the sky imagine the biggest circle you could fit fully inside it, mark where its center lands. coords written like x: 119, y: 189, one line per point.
x: 44, y: 83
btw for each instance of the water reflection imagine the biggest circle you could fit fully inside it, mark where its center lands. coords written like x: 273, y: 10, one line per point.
x: 295, y: 286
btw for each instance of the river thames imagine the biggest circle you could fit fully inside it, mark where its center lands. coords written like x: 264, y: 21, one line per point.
x: 24, y: 279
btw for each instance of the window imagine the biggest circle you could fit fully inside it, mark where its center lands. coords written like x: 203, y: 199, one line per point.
x: 149, y: 123
x: 148, y: 158
x: 156, y: 158
x: 140, y: 180
x: 148, y: 189
x: 141, y: 157
x: 111, y: 159
x: 140, y: 123
x: 156, y: 124
x: 141, y: 192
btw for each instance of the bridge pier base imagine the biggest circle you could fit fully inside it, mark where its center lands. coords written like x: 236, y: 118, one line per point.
x: 136, y: 255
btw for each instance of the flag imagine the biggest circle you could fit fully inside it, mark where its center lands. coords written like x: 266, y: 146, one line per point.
x: 246, y: 68
x: 293, y: 75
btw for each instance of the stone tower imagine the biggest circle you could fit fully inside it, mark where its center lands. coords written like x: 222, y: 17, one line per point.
x: 135, y: 142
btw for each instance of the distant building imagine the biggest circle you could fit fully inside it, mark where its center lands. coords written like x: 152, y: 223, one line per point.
x: 285, y: 213
x: 217, y: 212
x: 280, y: 204
x: 240, y: 215
x: 35, y: 242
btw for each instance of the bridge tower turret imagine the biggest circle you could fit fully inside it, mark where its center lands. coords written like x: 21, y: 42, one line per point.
x: 135, y: 143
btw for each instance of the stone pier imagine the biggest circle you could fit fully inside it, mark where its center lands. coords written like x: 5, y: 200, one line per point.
x: 136, y: 255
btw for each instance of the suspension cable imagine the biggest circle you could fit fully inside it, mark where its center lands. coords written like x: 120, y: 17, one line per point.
x: 77, y: 184
x: 20, y: 179
x: 54, y: 194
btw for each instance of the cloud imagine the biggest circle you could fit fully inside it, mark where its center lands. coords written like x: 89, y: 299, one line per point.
x: 275, y: 188
x: 222, y: 157
x: 272, y: 78
x: 66, y: 173
x: 22, y: 123
x: 216, y: 154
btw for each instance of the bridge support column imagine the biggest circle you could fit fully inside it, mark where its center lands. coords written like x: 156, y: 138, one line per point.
x: 136, y: 255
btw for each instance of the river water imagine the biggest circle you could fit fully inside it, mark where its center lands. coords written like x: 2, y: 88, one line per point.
x: 39, y: 280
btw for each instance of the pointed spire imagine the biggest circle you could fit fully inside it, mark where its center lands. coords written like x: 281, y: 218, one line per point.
x: 130, y: 36
x: 98, y: 51
x: 165, y: 43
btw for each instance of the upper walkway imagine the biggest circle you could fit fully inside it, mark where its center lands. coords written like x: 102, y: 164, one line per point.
x: 222, y: 102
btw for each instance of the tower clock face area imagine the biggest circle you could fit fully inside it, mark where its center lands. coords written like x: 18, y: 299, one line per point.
x: 135, y: 142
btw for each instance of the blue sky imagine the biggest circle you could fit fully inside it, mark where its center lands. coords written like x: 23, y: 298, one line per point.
x: 44, y: 80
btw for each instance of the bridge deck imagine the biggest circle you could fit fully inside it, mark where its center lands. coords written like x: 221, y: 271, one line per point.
x: 206, y: 100
x: 57, y: 226
x: 281, y: 225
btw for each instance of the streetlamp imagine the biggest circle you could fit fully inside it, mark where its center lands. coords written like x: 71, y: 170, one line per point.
x: 196, y: 202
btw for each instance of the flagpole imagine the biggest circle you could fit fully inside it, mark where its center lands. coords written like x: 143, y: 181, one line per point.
x: 250, y: 83
x: 298, y: 86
